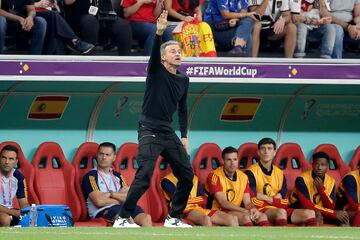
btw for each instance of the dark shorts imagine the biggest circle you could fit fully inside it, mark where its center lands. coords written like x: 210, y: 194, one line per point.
x: 266, y: 33
x: 14, y: 221
x: 109, y: 213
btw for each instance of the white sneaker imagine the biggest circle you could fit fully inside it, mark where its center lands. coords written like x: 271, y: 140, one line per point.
x: 124, y: 223
x: 175, y: 222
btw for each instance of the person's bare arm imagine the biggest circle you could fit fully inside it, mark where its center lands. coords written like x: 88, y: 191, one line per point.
x: 120, y: 195
x: 324, y: 12
x: 260, y: 9
x: 158, y: 8
x: 101, y: 199
x: 11, y: 16
x: 23, y: 203
x: 10, y: 211
x: 231, y: 15
x: 225, y: 204
x: 357, y: 14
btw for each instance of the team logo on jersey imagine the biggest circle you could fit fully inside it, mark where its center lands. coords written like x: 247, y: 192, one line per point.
x: 278, y: 4
x: 230, y: 195
x: 267, y: 190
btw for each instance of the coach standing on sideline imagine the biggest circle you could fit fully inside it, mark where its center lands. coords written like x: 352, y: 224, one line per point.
x: 166, y: 89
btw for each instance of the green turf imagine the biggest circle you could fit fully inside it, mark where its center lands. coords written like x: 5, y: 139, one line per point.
x: 203, y: 233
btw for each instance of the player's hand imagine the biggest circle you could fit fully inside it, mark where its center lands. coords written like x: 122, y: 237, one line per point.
x: 42, y: 4
x: 28, y: 23
x: 188, y: 19
x: 254, y: 214
x: 343, y: 216
x: 15, y: 212
x: 124, y: 189
x: 185, y: 142
x: 254, y: 16
x: 161, y: 23
x: 279, y: 26
x: 353, y: 31
x: 318, y: 183
x: 233, y: 22
x: 325, y: 20
x: 260, y: 196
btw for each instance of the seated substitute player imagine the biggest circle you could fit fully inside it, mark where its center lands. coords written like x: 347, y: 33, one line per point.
x: 347, y: 196
x: 268, y: 189
x: 315, y: 190
x: 105, y: 189
x: 12, y: 185
x: 195, y: 210
x: 229, y: 188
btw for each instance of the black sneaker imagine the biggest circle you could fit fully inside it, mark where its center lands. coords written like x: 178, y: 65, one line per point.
x: 81, y: 46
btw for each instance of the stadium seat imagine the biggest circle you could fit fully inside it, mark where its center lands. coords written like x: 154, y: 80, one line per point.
x: 25, y: 167
x: 207, y: 158
x: 247, y: 154
x: 355, y: 160
x: 337, y: 168
x: 125, y: 161
x: 55, y: 178
x: 83, y: 161
x: 126, y: 164
x: 290, y: 158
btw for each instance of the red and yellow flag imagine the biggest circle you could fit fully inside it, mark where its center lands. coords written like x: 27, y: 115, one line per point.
x: 48, y: 107
x: 240, y: 109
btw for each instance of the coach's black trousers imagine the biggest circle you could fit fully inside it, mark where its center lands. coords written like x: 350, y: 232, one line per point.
x: 152, y: 143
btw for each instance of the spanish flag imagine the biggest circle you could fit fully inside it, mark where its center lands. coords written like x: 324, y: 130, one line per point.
x: 48, y: 107
x: 240, y: 109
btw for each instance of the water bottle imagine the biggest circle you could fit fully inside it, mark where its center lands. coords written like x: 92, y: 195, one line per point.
x: 33, y: 215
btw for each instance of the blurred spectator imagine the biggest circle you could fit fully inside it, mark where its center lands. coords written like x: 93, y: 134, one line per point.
x: 184, y: 10
x: 17, y: 17
x: 232, y: 25
x: 58, y: 32
x: 313, y: 18
x: 276, y: 23
x: 346, y: 16
x: 142, y: 15
x: 90, y: 19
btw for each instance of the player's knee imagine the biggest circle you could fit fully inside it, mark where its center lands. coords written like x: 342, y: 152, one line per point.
x: 281, y: 213
x: 262, y: 217
x: 206, y: 221
x: 4, y: 220
x: 290, y: 29
x: 148, y: 220
x: 231, y: 221
x: 245, y: 219
x: 308, y: 213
